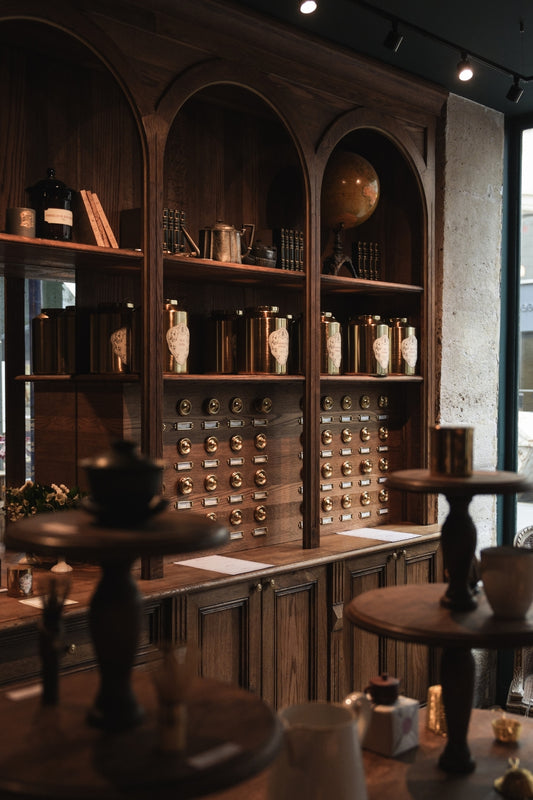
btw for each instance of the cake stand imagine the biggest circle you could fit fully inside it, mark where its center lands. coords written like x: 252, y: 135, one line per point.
x: 115, y: 608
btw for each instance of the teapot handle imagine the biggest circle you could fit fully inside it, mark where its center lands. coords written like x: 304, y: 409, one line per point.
x: 246, y: 250
x: 361, y: 708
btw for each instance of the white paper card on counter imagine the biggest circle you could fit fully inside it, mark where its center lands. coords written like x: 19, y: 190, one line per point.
x: 380, y: 534
x: 230, y: 566
x: 38, y: 602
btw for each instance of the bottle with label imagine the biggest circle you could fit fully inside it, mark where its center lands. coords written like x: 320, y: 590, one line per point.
x: 51, y: 200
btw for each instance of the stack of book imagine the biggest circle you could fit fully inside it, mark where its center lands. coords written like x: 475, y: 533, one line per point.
x: 173, y: 227
x: 91, y: 225
x: 290, y: 244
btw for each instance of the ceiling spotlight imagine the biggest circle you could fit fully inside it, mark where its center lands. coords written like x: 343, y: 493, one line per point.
x: 308, y: 6
x: 516, y: 91
x: 464, y: 68
x: 393, y: 39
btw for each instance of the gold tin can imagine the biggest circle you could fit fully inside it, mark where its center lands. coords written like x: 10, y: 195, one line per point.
x: 44, y: 344
x: 452, y: 450
x: 330, y: 344
x: 403, y: 347
x: 112, y: 338
x: 176, y: 338
x: 224, y: 338
x: 368, y: 345
x: 266, y: 341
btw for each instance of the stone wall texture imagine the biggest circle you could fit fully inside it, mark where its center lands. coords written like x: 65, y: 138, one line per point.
x: 471, y: 198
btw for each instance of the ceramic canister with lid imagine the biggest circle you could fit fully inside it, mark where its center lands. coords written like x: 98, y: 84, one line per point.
x: 176, y: 339
x: 330, y: 344
x: 112, y: 339
x: 266, y: 341
x: 403, y: 347
x: 368, y: 345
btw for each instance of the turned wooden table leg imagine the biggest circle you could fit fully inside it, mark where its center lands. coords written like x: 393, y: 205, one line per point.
x: 115, y: 624
x: 457, y: 680
x: 458, y: 540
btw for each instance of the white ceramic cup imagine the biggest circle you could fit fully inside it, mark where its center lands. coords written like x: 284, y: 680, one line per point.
x: 507, y: 575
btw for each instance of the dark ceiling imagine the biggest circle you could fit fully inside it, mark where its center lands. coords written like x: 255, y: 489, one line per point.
x: 499, y: 32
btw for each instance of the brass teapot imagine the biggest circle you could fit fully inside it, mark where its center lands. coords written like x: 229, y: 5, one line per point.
x: 223, y: 242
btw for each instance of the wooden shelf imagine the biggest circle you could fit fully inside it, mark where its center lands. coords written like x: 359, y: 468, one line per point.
x: 68, y: 378
x: 338, y: 284
x: 45, y: 259
x: 212, y: 377
x: 200, y: 269
x: 373, y: 378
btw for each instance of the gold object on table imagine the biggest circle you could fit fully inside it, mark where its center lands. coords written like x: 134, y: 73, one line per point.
x: 506, y: 729
x: 436, y: 717
x: 516, y: 783
x: 452, y: 450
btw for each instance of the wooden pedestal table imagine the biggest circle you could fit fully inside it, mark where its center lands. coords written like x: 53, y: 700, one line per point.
x: 50, y: 753
x: 458, y: 535
x: 115, y: 609
x: 415, y: 614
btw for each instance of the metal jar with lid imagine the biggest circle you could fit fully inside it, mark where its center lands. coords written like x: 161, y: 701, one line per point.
x: 112, y: 338
x: 368, y: 345
x: 266, y: 341
x: 223, y: 341
x: 403, y: 347
x: 44, y: 342
x: 176, y: 338
x: 330, y: 344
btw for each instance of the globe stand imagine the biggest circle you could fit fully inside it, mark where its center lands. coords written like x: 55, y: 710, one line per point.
x: 337, y: 260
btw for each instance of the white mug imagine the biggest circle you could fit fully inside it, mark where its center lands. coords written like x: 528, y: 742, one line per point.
x: 321, y: 754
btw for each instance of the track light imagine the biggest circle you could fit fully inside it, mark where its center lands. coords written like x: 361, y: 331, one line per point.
x: 308, y: 6
x: 516, y: 91
x: 393, y: 39
x: 464, y: 68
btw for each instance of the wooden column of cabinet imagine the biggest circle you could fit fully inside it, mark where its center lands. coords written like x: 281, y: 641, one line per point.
x: 194, y: 108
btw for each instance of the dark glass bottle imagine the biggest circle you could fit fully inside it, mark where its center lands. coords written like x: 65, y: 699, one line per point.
x: 51, y: 200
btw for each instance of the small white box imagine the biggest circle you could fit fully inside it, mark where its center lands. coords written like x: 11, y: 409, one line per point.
x: 393, y: 729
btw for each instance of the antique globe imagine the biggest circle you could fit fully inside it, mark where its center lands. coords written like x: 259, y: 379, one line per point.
x: 350, y: 190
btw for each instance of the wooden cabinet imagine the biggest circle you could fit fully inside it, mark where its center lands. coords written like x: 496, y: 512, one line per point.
x: 368, y: 655
x: 268, y: 635
x: 199, y: 109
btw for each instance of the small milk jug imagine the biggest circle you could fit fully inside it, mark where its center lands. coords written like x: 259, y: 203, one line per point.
x: 321, y: 754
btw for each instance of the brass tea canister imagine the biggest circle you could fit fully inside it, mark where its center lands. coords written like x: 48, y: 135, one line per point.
x: 452, y: 450
x: 266, y: 341
x: 176, y: 338
x: 330, y: 344
x: 66, y: 340
x: 44, y: 351
x: 403, y: 347
x: 368, y: 345
x: 112, y: 338
x: 224, y: 339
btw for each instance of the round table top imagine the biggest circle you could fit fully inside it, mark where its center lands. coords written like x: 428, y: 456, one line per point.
x: 49, y: 753
x: 423, y: 480
x: 77, y: 535
x: 414, y: 614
